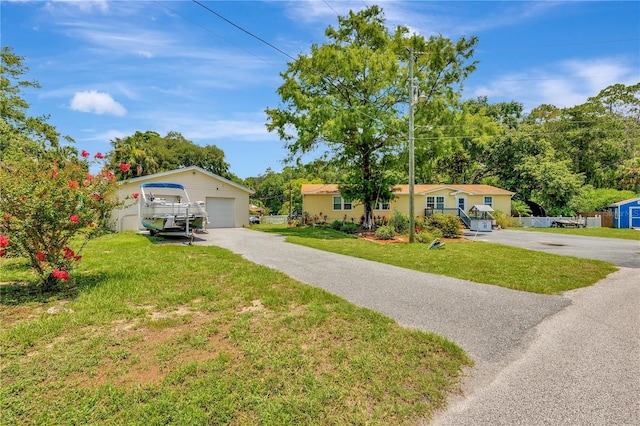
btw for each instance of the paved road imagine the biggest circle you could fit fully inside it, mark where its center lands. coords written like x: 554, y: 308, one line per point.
x: 619, y: 252
x: 570, y: 359
x: 582, y: 367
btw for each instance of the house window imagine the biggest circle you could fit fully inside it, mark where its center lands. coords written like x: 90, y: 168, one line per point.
x: 431, y: 202
x: 382, y: 205
x: 435, y: 203
x: 488, y: 201
x: 340, y: 203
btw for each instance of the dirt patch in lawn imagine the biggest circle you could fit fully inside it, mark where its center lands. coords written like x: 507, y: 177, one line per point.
x: 145, y: 350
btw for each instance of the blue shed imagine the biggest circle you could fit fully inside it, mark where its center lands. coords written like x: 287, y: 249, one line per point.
x: 626, y: 214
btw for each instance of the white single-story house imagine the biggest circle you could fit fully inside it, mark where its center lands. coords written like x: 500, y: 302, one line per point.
x: 226, y: 202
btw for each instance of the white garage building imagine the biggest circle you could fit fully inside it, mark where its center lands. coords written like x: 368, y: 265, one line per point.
x: 226, y: 202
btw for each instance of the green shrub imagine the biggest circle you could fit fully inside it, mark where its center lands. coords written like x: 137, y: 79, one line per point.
x: 336, y: 225
x: 505, y: 222
x: 448, y: 224
x: 349, y: 228
x: 399, y: 222
x: 49, y: 210
x: 520, y: 208
x: 427, y: 236
x: 385, y: 233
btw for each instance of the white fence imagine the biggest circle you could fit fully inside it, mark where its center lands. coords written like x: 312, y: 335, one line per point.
x: 275, y: 219
x: 546, y: 222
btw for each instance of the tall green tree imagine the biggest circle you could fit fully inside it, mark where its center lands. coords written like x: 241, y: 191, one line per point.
x: 21, y: 134
x: 595, y: 137
x: 349, y: 97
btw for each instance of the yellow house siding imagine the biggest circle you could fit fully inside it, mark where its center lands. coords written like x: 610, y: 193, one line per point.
x: 317, y: 204
x: 319, y: 198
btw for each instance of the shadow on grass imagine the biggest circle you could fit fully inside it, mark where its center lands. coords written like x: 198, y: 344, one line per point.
x: 21, y: 292
x: 314, y: 232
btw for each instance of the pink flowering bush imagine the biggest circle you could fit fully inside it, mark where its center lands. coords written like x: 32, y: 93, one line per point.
x: 48, y: 212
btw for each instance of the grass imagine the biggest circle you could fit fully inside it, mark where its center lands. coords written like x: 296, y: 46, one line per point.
x: 481, y: 262
x: 624, y: 234
x: 177, y: 334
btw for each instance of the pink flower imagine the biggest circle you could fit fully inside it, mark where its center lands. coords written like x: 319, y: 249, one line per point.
x: 96, y: 195
x: 77, y: 258
x: 73, y: 184
x: 55, y: 173
x: 61, y: 275
x: 98, y: 156
x: 4, y: 241
x: 3, y: 252
x: 84, y: 153
x: 124, y: 167
x: 74, y: 218
x: 40, y: 256
x: 110, y: 175
x: 135, y: 195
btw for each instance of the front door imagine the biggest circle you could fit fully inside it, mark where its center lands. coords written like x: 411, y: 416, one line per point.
x: 462, y: 204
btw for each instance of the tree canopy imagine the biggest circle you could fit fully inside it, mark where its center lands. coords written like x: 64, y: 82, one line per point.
x: 148, y: 153
x: 349, y: 97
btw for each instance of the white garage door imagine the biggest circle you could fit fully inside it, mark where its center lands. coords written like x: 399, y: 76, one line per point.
x: 221, y: 212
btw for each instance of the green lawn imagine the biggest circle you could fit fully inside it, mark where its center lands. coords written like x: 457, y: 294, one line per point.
x: 625, y: 234
x: 175, y: 334
x: 481, y: 262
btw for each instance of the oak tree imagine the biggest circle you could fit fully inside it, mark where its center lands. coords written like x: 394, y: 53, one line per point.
x: 348, y: 98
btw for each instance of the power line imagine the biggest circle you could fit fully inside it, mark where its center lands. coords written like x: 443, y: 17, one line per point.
x: 330, y: 7
x: 210, y: 31
x: 244, y: 30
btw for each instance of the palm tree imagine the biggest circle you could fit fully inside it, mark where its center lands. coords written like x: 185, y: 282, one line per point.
x: 137, y: 152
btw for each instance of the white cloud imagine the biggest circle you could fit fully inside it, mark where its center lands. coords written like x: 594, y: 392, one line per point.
x: 563, y: 84
x: 83, y: 6
x: 97, y: 103
x: 210, y: 127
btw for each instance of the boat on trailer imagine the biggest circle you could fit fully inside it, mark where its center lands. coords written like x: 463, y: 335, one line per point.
x: 165, y: 208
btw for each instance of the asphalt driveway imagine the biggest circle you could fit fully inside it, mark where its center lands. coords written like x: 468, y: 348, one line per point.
x: 540, y: 359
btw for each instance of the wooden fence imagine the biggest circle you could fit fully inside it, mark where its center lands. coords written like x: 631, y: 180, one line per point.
x: 606, y: 218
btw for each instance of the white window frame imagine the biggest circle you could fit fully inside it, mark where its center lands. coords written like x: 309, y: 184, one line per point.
x: 440, y: 202
x: 431, y: 202
x: 488, y: 200
x: 344, y: 204
x: 383, y: 205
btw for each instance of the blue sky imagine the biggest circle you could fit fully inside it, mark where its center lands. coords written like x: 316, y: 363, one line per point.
x: 110, y: 68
